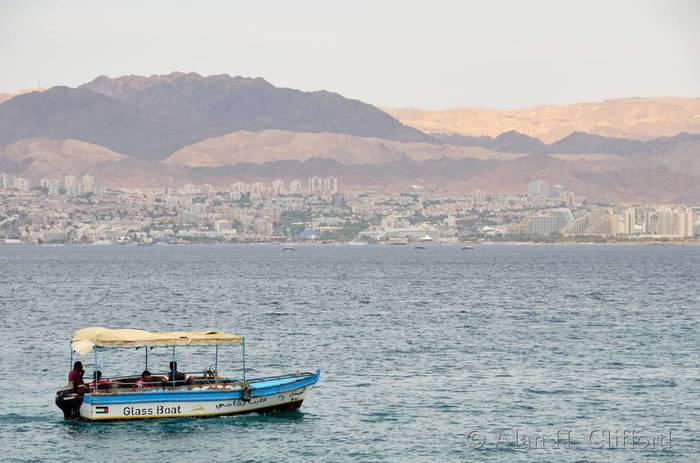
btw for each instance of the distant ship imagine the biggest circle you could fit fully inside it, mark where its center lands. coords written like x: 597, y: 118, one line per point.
x: 102, y: 243
x: 289, y: 248
x: 467, y: 247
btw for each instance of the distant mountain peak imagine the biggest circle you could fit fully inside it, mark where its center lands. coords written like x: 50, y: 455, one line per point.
x: 118, y: 86
x: 151, y: 117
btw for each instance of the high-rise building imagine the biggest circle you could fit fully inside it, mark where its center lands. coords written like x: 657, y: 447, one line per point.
x: 330, y: 185
x: 538, y: 188
x: 650, y: 221
x: 190, y: 189
x: 557, y: 190
x: 295, y: 187
x: 277, y: 187
x: 315, y: 185
x: 88, y: 183
x: 6, y: 181
x: 567, y: 198
x: 258, y: 188
x: 665, y: 221
x: 629, y: 221
x: 51, y: 185
x: 685, y: 223
x: 240, y: 187
x: 71, y: 185
x: 22, y: 184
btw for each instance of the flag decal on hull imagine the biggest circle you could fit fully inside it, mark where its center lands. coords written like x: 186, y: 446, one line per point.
x: 101, y: 410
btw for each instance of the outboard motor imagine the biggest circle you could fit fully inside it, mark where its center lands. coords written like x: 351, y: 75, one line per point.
x: 70, y: 402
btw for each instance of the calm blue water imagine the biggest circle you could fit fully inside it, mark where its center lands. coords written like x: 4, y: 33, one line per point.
x: 419, y: 350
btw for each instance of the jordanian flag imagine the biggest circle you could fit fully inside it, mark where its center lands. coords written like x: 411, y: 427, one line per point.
x: 101, y: 410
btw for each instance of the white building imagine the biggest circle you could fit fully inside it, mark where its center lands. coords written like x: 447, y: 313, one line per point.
x: 315, y: 185
x: 190, y: 189
x: 240, y: 187
x: 51, y: 185
x: 22, y: 184
x: 277, y: 187
x: 628, y: 219
x: 330, y: 185
x: 6, y: 181
x: 538, y: 188
x: 295, y: 187
x: 88, y: 182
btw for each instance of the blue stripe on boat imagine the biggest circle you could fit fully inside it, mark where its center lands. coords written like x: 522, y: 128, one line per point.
x: 262, y: 388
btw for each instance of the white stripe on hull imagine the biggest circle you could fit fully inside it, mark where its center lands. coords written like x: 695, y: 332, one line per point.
x: 167, y: 409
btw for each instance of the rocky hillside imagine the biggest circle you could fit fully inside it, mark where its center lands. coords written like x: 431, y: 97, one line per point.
x: 277, y: 145
x: 40, y: 157
x: 637, y: 118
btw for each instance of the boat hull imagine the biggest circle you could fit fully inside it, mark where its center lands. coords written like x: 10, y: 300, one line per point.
x: 266, y: 397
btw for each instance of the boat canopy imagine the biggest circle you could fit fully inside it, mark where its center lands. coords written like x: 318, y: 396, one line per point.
x: 84, y: 340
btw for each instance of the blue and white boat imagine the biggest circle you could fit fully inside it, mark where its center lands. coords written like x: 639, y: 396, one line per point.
x: 174, y: 394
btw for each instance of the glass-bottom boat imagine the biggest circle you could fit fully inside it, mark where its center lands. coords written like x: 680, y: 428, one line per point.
x: 174, y: 394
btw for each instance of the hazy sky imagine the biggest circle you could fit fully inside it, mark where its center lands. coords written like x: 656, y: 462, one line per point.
x: 428, y: 54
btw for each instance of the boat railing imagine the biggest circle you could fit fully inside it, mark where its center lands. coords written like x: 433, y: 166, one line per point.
x: 131, y: 382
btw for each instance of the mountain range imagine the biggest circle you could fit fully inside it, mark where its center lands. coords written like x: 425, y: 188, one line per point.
x: 168, y: 130
x: 575, y: 143
x: 635, y: 118
x: 152, y: 117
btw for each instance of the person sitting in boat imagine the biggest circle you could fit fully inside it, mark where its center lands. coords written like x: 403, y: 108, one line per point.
x: 75, y: 378
x: 175, y: 378
x: 148, y: 380
x: 101, y: 383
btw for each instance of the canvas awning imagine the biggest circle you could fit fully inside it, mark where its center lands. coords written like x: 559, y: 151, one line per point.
x: 85, y: 339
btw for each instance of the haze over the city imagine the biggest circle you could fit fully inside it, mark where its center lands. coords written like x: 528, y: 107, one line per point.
x: 393, y: 54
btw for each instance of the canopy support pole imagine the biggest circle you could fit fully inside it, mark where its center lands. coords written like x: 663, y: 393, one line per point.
x: 243, y: 344
x: 71, y: 357
x: 173, y: 369
x: 95, y: 373
x: 216, y: 360
x: 146, y: 368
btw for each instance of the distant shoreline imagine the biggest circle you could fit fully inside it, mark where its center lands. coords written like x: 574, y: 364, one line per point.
x: 409, y: 245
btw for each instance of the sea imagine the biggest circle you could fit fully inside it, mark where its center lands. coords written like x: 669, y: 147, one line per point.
x: 514, y: 353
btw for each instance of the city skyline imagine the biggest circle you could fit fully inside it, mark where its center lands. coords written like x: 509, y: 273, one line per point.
x: 80, y: 210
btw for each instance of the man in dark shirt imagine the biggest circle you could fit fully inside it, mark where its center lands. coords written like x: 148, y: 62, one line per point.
x: 175, y: 378
x: 75, y: 378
